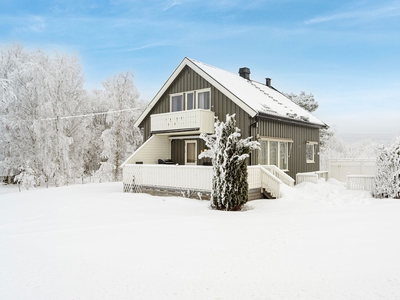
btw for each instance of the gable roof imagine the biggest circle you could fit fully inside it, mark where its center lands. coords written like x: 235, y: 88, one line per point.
x: 253, y: 97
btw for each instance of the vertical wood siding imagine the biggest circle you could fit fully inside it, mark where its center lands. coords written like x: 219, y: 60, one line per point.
x: 189, y: 80
x: 300, y: 135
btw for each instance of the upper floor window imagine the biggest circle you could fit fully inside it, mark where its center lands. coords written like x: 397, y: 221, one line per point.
x: 198, y: 99
x: 177, y: 102
x: 203, y: 99
x: 190, y: 101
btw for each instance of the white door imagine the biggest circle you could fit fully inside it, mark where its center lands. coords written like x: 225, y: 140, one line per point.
x: 190, y: 152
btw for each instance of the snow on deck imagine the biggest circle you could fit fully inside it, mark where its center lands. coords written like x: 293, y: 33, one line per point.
x: 93, y: 241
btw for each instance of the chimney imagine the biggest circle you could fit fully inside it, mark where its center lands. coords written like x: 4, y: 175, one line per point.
x: 268, y: 82
x: 245, y: 73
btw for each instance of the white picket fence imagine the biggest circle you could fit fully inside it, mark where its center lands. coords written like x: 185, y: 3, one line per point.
x: 197, y: 178
x: 311, y: 176
x: 360, y: 182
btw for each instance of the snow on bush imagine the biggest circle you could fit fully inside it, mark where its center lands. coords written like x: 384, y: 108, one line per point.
x: 228, y: 153
x: 387, y: 179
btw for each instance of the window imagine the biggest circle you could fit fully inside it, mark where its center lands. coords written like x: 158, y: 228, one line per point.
x: 310, y: 152
x: 203, y: 99
x: 190, y: 152
x: 274, y: 152
x: 190, y: 100
x: 177, y: 102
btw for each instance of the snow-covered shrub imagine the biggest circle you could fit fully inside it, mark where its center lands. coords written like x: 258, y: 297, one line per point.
x: 26, y: 178
x: 387, y: 179
x: 228, y: 153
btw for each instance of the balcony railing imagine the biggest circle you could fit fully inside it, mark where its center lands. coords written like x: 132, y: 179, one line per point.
x: 193, y: 121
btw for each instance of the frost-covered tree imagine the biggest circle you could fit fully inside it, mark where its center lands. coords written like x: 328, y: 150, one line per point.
x: 387, y: 179
x: 121, y: 138
x: 304, y: 100
x: 47, y: 90
x: 228, y: 153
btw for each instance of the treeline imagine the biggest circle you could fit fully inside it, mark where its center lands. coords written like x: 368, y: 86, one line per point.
x: 52, y: 129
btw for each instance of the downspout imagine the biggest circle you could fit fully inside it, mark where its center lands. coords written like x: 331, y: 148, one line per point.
x: 255, y: 125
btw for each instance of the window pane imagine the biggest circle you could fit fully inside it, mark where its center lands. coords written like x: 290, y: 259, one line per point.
x: 177, y: 103
x: 283, y: 158
x: 191, y: 155
x: 189, y: 101
x: 273, y: 153
x: 263, y: 153
x: 310, y: 152
x: 204, y: 100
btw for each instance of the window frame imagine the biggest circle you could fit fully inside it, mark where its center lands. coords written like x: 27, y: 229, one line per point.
x: 209, y: 98
x: 171, y: 96
x: 288, y: 143
x: 194, y: 100
x: 195, y: 152
x: 314, y: 146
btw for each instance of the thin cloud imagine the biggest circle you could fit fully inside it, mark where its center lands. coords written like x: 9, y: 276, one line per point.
x: 388, y: 11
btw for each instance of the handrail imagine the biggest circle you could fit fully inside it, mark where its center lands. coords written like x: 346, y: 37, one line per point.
x: 285, y: 178
x: 270, y: 182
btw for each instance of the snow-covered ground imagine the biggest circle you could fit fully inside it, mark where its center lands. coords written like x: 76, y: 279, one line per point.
x: 94, y: 242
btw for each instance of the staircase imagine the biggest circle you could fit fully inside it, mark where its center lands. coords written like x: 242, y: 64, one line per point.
x: 271, y: 180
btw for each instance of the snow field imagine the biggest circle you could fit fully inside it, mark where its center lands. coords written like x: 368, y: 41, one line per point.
x: 94, y: 242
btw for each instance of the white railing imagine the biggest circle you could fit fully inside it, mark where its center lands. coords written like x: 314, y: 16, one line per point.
x: 167, y: 176
x: 196, y: 120
x: 270, y: 183
x: 360, y: 182
x: 285, y: 178
x: 197, y: 178
x: 311, y: 176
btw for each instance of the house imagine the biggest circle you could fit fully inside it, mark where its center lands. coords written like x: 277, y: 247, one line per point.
x: 195, y: 94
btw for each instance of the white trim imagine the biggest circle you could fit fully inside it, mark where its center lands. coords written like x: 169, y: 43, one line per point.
x: 313, y: 144
x: 197, y: 97
x: 277, y: 140
x: 194, y: 100
x: 195, y: 151
x: 170, y: 101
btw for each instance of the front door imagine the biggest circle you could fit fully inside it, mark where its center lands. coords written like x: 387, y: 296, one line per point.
x: 190, y: 152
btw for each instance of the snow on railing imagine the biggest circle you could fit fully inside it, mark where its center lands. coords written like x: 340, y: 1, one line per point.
x: 360, y: 182
x: 311, y: 176
x: 270, y: 183
x: 285, y: 178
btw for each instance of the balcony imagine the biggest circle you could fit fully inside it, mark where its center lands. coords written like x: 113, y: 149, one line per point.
x: 186, y: 121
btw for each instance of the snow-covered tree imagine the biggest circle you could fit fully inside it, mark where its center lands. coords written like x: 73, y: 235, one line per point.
x: 387, y: 179
x: 304, y: 100
x: 121, y: 138
x: 228, y: 153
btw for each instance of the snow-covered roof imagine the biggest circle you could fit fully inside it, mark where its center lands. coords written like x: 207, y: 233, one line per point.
x: 253, y: 97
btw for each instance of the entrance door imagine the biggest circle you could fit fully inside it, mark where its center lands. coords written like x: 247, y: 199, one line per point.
x: 190, y: 152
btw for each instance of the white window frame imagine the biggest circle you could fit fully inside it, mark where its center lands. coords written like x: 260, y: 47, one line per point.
x: 197, y: 98
x: 313, y: 146
x: 170, y: 101
x: 288, y: 150
x: 194, y: 100
x: 195, y: 152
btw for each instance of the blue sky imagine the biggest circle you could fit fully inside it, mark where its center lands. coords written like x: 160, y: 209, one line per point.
x: 347, y: 53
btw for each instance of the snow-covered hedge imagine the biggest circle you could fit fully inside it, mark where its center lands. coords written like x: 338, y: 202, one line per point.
x: 387, y: 180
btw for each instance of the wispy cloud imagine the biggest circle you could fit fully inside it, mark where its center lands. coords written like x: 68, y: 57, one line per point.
x: 389, y: 10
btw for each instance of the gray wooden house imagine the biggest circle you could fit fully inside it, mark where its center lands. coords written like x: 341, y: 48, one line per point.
x: 187, y: 105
